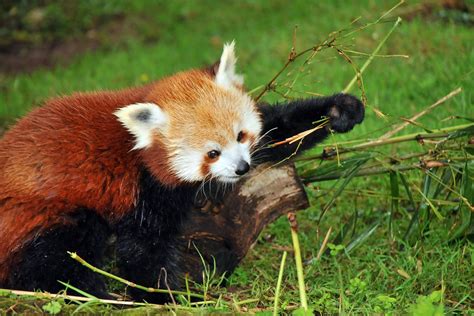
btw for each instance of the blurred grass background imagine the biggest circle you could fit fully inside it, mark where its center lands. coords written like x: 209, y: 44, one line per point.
x: 94, y: 45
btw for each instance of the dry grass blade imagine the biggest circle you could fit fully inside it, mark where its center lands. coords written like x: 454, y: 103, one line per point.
x: 300, y: 136
x: 324, y: 244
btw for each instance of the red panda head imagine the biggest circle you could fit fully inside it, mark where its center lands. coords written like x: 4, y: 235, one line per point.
x: 196, y: 125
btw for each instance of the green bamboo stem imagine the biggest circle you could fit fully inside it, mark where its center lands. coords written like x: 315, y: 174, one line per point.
x: 298, y: 260
x: 278, y: 287
x: 371, y: 57
x: 370, y: 193
x: 76, y: 257
x: 440, y: 133
x: 375, y: 171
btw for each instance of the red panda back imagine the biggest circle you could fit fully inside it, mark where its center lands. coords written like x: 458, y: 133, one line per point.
x: 74, y: 149
x: 70, y: 153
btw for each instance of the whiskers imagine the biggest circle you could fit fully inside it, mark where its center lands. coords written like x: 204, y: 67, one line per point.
x: 258, y: 146
x: 214, y: 187
x: 202, y: 187
x: 211, y: 189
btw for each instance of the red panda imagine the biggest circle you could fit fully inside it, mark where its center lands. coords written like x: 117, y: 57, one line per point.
x: 130, y: 162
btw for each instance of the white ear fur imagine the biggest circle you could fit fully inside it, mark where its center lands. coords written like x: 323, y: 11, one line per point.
x: 225, y: 75
x: 141, y: 119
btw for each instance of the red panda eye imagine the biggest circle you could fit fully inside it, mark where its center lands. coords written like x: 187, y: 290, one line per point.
x: 213, y: 154
x: 240, y: 136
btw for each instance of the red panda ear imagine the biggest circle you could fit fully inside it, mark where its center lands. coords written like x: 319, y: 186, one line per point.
x: 142, y: 120
x: 212, y: 69
x: 225, y: 75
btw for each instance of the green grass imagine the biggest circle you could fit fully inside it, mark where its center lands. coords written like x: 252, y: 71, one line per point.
x: 376, y: 276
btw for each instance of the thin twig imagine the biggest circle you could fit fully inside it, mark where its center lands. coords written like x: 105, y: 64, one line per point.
x: 358, y: 77
x: 369, y: 60
x: 299, y: 136
x: 291, y: 58
x: 420, y: 114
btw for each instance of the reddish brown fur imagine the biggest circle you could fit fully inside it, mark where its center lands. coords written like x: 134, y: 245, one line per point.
x: 195, y: 88
x: 245, y: 136
x: 73, y: 152
x: 57, y: 158
x: 159, y: 167
x: 206, y: 165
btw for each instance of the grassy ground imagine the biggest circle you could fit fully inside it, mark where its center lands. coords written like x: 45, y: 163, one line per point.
x: 376, y: 276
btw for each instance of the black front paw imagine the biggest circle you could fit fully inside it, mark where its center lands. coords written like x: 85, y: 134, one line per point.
x: 345, y: 112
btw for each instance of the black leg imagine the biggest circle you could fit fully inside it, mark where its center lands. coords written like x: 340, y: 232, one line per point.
x: 283, y: 120
x: 147, y: 249
x: 147, y: 258
x: 45, y: 260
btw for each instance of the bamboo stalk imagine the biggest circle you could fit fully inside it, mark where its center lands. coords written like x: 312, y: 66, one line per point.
x: 440, y: 133
x: 298, y: 260
x: 278, y: 287
x: 76, y: 257
x: 379, y: 170
x: 371, y: 57
x: 328, y: 43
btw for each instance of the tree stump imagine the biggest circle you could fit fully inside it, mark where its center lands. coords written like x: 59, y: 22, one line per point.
x: 222, y: 232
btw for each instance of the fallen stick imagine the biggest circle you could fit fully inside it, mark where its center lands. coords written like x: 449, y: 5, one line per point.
x: 46, y: 295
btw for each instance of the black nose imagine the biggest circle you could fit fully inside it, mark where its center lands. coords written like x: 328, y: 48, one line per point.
x: 242, y: 168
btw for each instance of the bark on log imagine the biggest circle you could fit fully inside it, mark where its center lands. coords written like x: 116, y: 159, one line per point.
x: 224, y: 231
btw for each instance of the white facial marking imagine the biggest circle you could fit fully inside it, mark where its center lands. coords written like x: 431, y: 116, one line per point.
x: 141, y: 120
x: 224, y: 168
x: 226, y: 76
x: 251, y: 121
x: 186, y: 164
x: 189, y: 163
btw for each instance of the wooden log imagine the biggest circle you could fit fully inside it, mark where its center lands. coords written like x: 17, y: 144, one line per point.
x: 222, y: 232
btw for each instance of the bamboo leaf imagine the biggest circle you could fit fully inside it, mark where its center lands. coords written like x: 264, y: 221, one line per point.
x: 466, y: 218
x: 349, y: 227
x: 333, y: 167
x: 359, y: 239
x: 414, y: 220
x: 395, y: 196
x: 423, y: 214
x: 431, y: 205
x: 346, y: 181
